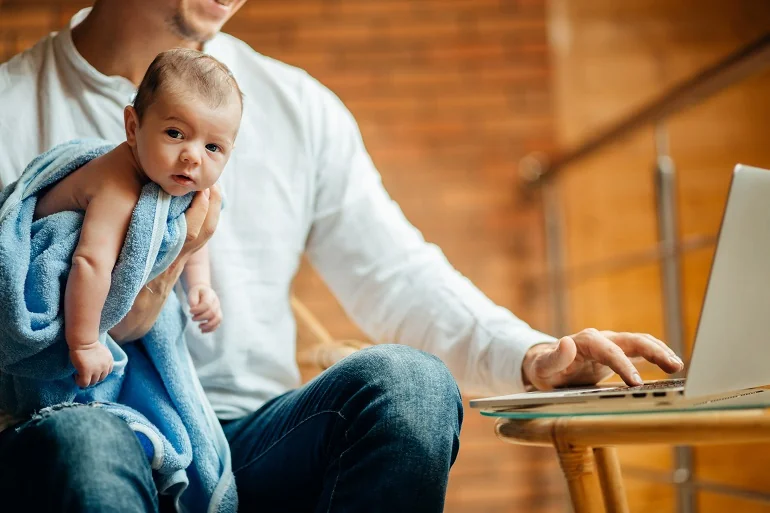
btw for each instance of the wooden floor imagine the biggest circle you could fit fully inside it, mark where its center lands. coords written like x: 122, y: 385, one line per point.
x: 492, y: 477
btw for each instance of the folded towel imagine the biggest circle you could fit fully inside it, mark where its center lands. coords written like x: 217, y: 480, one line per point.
x: 153, y: 386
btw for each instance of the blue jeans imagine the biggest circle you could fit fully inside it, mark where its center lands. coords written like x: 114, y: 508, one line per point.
x: 376, y: 432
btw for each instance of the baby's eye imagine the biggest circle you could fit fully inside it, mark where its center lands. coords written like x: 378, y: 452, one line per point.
x: 213, y: 148
x: 174, y: 133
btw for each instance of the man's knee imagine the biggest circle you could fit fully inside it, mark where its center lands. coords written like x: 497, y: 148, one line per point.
x: 84, y: 437
x: 406, y: 382
x: 406, y: 398
x: 82, y: 457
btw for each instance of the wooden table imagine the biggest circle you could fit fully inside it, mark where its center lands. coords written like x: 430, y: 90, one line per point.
x: 586, y: 444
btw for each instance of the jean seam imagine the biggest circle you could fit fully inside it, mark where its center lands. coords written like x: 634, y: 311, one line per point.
x: 339, y: 465
x: 253, y: 460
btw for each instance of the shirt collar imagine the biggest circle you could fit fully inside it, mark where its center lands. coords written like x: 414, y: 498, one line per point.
x: 118, y: 84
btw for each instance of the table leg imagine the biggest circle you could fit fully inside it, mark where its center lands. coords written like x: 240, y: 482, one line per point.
x: 577, y: 464
x: 611, y: 479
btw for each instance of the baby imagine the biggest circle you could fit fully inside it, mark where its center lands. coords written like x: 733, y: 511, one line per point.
x: 180, y: 133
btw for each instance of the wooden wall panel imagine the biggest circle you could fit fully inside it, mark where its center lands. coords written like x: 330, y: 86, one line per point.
x: 720, y: 503
x: 611, y: 57
x: 741, y: 466
x: 730, y: 129
x: 607, y: 205
x: 647, y: 497
x: 646, y: 457
x: 696, y: 266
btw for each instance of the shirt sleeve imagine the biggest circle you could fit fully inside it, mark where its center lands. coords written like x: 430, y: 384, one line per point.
x: 390, y: 281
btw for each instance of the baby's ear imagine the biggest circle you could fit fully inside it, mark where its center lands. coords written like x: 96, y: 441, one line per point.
x: 131, y: 121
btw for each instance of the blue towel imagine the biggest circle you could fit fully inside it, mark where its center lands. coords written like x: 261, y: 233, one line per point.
x: 153, y: 386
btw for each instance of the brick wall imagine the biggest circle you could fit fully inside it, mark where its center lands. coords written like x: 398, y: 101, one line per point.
x: 449, y: 94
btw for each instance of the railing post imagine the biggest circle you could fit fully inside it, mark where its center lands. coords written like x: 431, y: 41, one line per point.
x: 671, y: 282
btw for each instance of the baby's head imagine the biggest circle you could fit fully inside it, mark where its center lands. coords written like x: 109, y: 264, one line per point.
x: 184, y: 120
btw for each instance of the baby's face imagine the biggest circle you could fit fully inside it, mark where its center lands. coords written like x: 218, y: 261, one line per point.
x: 183, y: 144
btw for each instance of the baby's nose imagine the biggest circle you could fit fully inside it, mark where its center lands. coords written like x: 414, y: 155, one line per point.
x: 190, y: 156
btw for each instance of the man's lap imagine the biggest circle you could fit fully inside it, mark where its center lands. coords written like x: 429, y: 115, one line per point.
x: 383, y: 409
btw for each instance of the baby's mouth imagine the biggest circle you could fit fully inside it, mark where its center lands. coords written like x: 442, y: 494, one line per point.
x: 226, y: 3
x: 182, y: 179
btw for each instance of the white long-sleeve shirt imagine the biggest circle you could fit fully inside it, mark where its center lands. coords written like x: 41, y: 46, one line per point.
x: 300, y: 180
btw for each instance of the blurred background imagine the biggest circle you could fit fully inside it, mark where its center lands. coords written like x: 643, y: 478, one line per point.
x: 475, y: 112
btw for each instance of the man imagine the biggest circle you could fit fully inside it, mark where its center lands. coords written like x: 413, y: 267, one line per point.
x: 377, y: 432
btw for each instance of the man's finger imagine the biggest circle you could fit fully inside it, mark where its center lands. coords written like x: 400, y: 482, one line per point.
x: 664, y: 346
x: 196, y: 214
x: 212, y: 215
x: 610, y: 334
x: 553, y: 362
x: 597, y: 346
x: 635, y: 344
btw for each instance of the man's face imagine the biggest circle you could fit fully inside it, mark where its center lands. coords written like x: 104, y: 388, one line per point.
x: 200, y: 20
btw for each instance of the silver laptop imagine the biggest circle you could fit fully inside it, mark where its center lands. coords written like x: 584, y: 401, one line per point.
x: 731, y: 355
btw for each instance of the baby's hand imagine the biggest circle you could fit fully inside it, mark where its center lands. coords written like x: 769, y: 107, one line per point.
x: 93, y: 363
x: 204, y: 307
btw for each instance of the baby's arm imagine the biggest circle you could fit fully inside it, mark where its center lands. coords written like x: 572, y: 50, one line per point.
x: 197, y: 271
x: 106, y: 221
x: 204, y: 303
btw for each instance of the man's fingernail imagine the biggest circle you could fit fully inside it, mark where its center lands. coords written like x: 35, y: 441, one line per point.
x: 636, y: 378
x: 675, y: 360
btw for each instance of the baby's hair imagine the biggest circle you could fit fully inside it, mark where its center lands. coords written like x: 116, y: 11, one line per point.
x: 181, y: 70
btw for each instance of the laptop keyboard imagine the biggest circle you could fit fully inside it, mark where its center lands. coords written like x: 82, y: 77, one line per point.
x: 646, y: 387
x: 664, y: 383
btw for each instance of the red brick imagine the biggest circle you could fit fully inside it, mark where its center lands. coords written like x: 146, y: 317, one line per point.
x: 33, y: 17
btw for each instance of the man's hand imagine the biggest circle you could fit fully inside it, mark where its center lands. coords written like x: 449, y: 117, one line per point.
x: 202, y: 218
x: 591, y: 356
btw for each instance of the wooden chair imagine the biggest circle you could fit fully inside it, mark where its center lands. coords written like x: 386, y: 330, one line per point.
x: 585, y: 443
x: 317, y: 350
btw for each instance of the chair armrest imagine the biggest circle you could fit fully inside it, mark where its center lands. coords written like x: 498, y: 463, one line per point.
x: 324, y: 356
x: 315, y: 345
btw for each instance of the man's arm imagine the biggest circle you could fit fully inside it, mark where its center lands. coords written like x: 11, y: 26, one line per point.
x: 202, y: 218
x: 399, y: 288
x: 392, y: 283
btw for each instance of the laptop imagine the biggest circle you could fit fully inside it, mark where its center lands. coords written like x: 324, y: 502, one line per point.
x: 731, y: 355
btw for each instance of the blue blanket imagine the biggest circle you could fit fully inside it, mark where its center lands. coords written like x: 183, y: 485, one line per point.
x: 153, y: 386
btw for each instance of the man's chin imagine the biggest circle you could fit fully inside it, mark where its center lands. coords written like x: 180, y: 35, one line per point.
x: 194, y: 32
